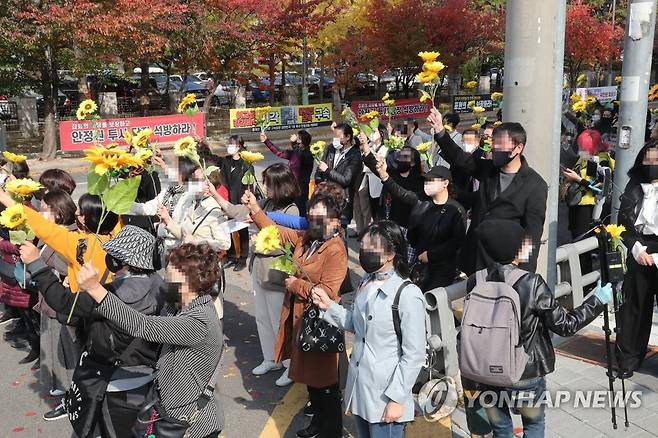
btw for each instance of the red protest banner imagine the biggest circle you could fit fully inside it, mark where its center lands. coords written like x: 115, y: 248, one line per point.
x: 79, y: 134
x: 404, y: 108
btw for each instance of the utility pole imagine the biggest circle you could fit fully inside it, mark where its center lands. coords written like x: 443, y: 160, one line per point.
x: 612, y: 24
x: 534, y: 71
x: 636, y: 75
x: 305, y: 73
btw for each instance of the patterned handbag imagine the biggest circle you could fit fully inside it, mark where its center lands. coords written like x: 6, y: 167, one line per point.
x: 317, y: 335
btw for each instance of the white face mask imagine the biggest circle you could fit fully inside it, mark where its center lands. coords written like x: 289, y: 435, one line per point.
x: 232, y: 149
x: 195, y: 187
x: 337, y: 144
x: 374, y: 137
x: 596, y: 117
x: 433, y: 187
x: 470, y: 147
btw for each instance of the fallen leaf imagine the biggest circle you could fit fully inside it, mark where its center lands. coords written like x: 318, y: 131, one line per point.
x: 18, y: 429
x: 30, y: 414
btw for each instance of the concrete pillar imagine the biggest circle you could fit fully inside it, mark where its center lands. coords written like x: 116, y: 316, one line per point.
x: 636, y: 75
x: 28, y: 120
x: 534, y: 64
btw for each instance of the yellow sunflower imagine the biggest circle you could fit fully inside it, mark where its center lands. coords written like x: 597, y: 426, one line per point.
x: 141, y: 139
x: 497, y: 96
x: 144, y: 154
x: 448, y: 128
x: 251, y: 157
x: 23, y: 187
x: 13, y: 217
x: 615, y: 230
x: 425, y: 77
x: 88, y: 106
x: 478, y: 109
x: 317, y: 148
x: 471, y: 84
x: 14, y: 158
x: 389, y: 102
x: 476, y: 126
x: 80, y: 114
x: 497, y: 123
x: 104, y: 159
x: 434, y: 66
x: 424, y: 147
x: 590, y: 99
x: 128, y: 136
x: 618, y: 79
x: 370, y: 115
x: 428, y: 56
x: 129, y: 160
x: 185, y: 147
x: 187, y: 101
x: 268, y: 240
x: 575, y: 97
x: 579, y: 106
x: 386, y: 97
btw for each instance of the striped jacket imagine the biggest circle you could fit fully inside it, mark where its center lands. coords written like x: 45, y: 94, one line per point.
x: 192, y: 346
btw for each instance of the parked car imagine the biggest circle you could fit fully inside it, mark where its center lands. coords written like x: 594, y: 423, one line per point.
x: 223, y: 95
x: 194, y: 87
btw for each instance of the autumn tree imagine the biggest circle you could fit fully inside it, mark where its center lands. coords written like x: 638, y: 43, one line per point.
x: 590, y: 42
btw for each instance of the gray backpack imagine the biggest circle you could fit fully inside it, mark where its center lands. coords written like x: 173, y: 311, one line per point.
x: 491, y: 351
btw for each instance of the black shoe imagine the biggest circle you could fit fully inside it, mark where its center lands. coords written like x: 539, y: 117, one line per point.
x: 18, y: 344
x: 310, y: 432
x: 14, y: 337
x: 7, y: 317
x: 308, y: 410
x: 31, y: 357
x: 229, y: 264
x: 17, y: 328
x: 36, y: 366
x: 624, y: 374
x: 56, y: 414
x: 239, y: 266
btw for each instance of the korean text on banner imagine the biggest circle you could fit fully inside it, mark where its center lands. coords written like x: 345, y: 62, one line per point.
x: 602, y: 94
x: 77, y: 135
x: 404, y: 108
x: 460, y: 102
x: 282, y: 117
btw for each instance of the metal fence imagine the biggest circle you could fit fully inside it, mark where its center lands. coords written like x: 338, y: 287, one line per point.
x: 9, y: 115
x: 571, y: 284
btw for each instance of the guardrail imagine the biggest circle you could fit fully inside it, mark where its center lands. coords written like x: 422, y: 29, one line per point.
x: 570, y: 282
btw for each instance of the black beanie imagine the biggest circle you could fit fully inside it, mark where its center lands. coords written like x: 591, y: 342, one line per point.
x: 501, y: 239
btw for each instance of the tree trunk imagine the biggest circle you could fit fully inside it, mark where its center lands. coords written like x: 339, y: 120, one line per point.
x: 144, y: 88
x: 272, y: 78
x: 321, y: 86
x: 283, y: 78
x: 50, y: 77
x: 211, y: 92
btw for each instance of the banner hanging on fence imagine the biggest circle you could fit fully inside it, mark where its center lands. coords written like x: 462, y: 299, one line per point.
x: 404, y: 108
x: 602, y: 94
x: 280, y: 118
x: 79, y: 134
x: 460, y: 102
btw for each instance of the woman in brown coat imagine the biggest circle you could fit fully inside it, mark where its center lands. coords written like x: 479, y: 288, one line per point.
x: 320, y: 252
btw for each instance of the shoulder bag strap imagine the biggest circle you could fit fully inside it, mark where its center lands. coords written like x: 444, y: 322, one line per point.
x: 106, y: 274
x: 513, y: 276
x: 204, y: 218
x: 396, y: 311
x: 209, y: 390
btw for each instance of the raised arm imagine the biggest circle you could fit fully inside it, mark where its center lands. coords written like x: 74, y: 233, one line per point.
x: 406, y: 196
x: 288, y: 220
x: 276, y: 151
x: 449, y: 150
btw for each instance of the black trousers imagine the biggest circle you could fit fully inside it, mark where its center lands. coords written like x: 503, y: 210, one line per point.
x: 32, y: 322
x: 328, y: 411
x: 580, y: 221
x: 636, y: 314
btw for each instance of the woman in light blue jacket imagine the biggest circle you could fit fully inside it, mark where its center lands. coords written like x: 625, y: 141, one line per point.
x: 383, y: 366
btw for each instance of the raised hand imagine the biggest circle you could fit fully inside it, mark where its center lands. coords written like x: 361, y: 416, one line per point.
x: 436, y: 120
x: 263, y: 137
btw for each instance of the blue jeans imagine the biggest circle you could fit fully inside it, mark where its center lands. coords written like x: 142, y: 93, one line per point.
x: 533, y: 417
x: 378, y: 430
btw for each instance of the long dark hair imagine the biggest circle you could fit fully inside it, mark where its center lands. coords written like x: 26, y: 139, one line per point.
x: 636, y: 173
x: 61, y: 205
x: 282, y: 187
x: 91, y: 208
x: 394, y: 242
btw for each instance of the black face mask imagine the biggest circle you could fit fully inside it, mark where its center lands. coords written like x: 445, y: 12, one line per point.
x: 315, y: 228
x: 113, y: 264
x: 650, y: 172
x: 39, y: 194
x: 297, y: 146
x: 370, y: 261
x: 171, y: 292
x: 501, y: 158
x: 403, y: 166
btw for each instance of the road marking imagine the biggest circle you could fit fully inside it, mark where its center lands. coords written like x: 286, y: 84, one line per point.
x: 278, y: 422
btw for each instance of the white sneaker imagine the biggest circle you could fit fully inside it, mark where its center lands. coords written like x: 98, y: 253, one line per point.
x: 56, y: 392
x: 265, y: 368
x: 284, y: 380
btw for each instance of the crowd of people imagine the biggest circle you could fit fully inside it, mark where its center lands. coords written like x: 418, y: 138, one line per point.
x: 124, y: 314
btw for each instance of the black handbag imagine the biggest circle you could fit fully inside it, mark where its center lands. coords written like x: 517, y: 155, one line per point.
x: 153, y: 420
x: 317, y: 335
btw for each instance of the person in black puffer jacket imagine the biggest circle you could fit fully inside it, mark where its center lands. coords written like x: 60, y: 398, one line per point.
x: 115, y: 370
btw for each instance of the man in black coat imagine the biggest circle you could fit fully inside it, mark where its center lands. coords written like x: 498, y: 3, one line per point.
x: 509, y: 189
x: 341, y: 164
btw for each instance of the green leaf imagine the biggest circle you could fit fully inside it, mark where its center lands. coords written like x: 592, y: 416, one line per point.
x: 248, y: 179
x: 365, y: 129
x: 120, y: 197
x: 374, y: 123
x: 97, y: 184
x: 210, y: 169
x: 30, y: 235
x: 17, y: 237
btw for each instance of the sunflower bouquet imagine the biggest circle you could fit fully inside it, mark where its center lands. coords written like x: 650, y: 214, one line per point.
x: 268, y: 242
x: 429, y: 76
x: 262, y: 117
x: 390, y: 106
x: 141, y: 142
x: 188, y: 105
x: 367, y: 123
x: 317, y: 149
x: 394, y: 143
x: 583, y: 108
x: 249, y: 179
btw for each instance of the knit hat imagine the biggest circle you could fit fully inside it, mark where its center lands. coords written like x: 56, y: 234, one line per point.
x: 501, y: 239
x: 133, y: 246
